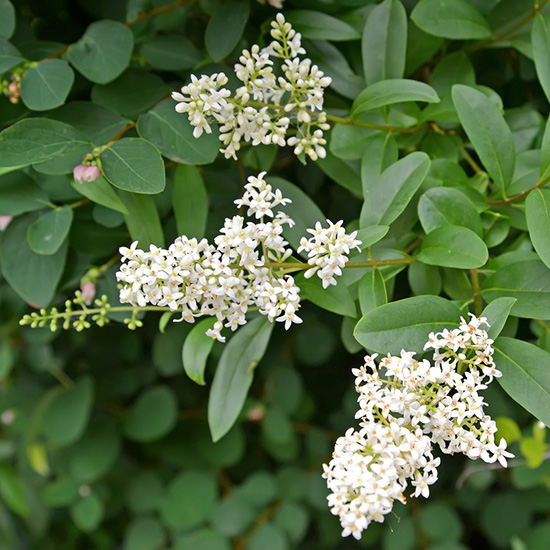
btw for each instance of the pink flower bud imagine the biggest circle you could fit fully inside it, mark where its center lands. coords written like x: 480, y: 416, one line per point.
x: 78, y: 173
x: 91, y: 173
x: 5, y: 221
x: 13, y: 89
x: 88, y: 292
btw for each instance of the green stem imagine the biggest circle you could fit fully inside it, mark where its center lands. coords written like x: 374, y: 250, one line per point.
x: 505, y: 202
x: 368, y: 263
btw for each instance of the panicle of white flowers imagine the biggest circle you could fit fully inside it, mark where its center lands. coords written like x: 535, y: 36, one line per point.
x: 267, y: 104
x: 223, y: 279
x: 411, y: 405
x: 327, y: 250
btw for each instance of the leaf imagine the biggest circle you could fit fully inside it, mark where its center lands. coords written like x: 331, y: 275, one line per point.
x: 537, y: 212
x: 488, y: 132
x: 453, y: 246
x: 372, y: 291
x: 225, y: 28
x: 103, y: 51
x: 135, y: 165
x: 342, y: 172
x: 442, y: 206
x: 497, y: 313
x: 152, y: 416
x: 405, y: 324
x: 527, y: 281
x: 544, y: 152
x: 389, y: 92
x: 7, y: 18
x: 101, y: 192
x: 19, y: 194
x: 49, y: 231
x: 456, y: 19
x: 525, y: 375
x: 267, y: 537
x: 424, y: 279
x: 34, y: 140
x: 394, y: 188
x: 384, y: 42
x: 33, y: 276
x: 196, y: 349
x: 234, y: 375
x: 9, y: 54
x: 87, y: 513
x: 170, y: 52
x: 46, y: 85
x: 335, y: 298
x: 144, y: 533
x: 190, y: 202
x: 66, y: 415
x: 540, y: 39
x: 455, y: 68
x: 379, y: 153
x: 12, y: 491
x: 172, y: 133
x: 371, y: 235
x: 350, y: 142
x: 142, y: 220
x: 320, y: 26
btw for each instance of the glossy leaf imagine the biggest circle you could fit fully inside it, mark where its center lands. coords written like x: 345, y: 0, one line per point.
x: 453, y: 246
x: 225, y: 28
x: 190, y: 202
x: 170, y: 52
x: 19, y: 194
x: 455, y: 68
x: 103, y: 52
x: 335, y: 298
x: 497, y: 313
x: 101, y: 192
x: 47, y: 233
x: 488, y: 132
x: 384, y: 42
x: 12, y: 491
x: 540, y: 40
x: 7, y: 19
x: 389, y: 92
x: 196, y: 349
x: 371, y: 235
x: 142, y: 220
x: 456, y: 19
x: 537, y: 212
x: 9, y: 55
x: 321, y: 26
x: 405, y: 324
x: 372, y: 291
x: 135, y: 165
x: 234, y: 375
x: 172, y: 133
x: 379, y: 153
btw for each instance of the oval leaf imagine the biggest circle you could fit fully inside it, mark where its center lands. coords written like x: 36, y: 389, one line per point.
x: 190, y: 202
x: 170, y: 52
x: 405, y: 324
x: 135, y: 165
x: 537, y: 212
x: 234, y: 375
x: 453, y: 246
x: 7, y: 18
x: 540, y: 40
x: 9, y: 56
x: 335, y: 298
x: 225, y: 28
x: 321, y: 26
x: 497, y: 313
x: 101, y: 192
x: 196, y: 349
x: 142, y: 219
x: 47, y: 233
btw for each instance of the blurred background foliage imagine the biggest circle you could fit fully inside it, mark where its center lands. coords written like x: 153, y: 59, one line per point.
x: 104, y: 442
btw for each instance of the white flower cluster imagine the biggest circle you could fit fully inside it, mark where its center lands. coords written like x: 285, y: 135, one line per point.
x: 405, y: 407
x: 222, y: 280
x: 262, y: 110
x: 327, y: 251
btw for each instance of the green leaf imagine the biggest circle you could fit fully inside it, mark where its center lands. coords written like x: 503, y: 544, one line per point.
x: 34, y: 140
x: 379, y: 153
x: 350, y: 142
x: 545, y: 152
x: 196, y: 349
x: 66, y: 415
x: 540, y: 39
x: 142, y: 220
x: 456, y: 19
x: 527, y: 281
x: 453, y: 246
x: 393, y: 190
x: 144, y: 492
x: 371, y: 235
x: 9, y: 55
x: 189, y: 500
x: 384, y: 42
x: 525, y: 375
x: 103, y: 52
x: 389, y: 92
x: 442, y: 206
x: 488, y: 132
x: 267, y: 537
x: 190, y: 202
x: 144, y: 533
x: 49, y: 231
x: 152, y: 416
x: 7, y: 18
x: 320, y: 26
x: 233, y: 515
x: 101, y: 192
x: 497, y: 313
x: 203, y: 539
x: 135, y: 165
x: 47, y: 85
x: 12, y: 491
x: 234, y: 375
x: 405, y: 324
x: 441, y: 522
x: 225, y: 28
x: 33, y: 276
x: 537, y: 212
x: 87, y: 513
x: 335, y: 298
x: 455, y: 68
x: 292, y: 519
x: 170, y: 52
x: 424, y: 279
x: 344, y: 173
x: 372, y: 291
x: 172, y: 133
x: 19, y: 194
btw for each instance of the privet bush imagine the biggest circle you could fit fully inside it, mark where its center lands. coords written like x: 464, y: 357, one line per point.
x: 255, y: 254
